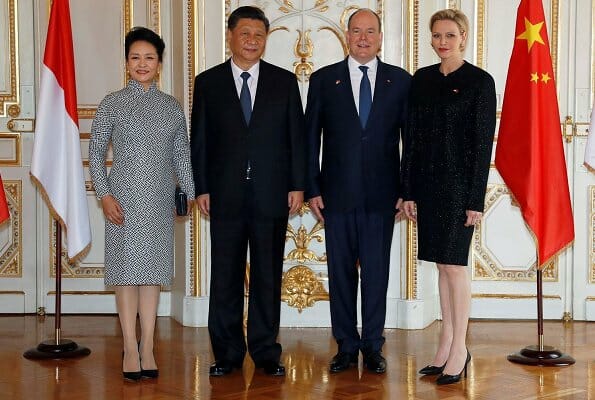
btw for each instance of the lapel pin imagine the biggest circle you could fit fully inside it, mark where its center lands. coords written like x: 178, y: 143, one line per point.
x: 455, y: 90
x: 337, y: 82
x: 388, y: 81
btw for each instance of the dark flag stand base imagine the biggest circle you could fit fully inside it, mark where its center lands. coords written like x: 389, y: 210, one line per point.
x: 49, y: 349
x: 57, y: 348
x: 546, y: 356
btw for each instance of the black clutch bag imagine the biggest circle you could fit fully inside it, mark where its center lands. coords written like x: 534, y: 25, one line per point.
x: 181, y: 202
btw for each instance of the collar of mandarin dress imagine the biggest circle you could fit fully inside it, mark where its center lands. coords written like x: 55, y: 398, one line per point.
x: 138, y: 87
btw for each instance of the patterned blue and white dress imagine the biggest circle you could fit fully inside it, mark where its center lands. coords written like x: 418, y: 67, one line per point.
x: 147, y: 130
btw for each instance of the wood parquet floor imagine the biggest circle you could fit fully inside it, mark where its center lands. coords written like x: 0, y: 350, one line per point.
x: 183, y: 356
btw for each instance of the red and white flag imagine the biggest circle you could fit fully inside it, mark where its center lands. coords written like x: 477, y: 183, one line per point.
x: 56, y: 165
x: 4, y: 213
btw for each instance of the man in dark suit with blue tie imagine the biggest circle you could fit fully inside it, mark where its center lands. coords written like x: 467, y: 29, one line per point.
x: 248, y: 157
x: 358, y: 106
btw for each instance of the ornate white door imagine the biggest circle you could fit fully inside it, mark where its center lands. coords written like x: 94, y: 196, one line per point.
x: 18, y: 274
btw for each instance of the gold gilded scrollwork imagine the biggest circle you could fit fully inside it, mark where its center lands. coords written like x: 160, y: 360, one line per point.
x: 303, y: 50
x: 301, y: 288
x: 11, y: 257
x: 486, y: 268
x: 14, y: 110
x: 302, y: 238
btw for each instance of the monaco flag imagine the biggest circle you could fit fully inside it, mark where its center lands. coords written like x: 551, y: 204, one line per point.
x: 56, y: 165
x: 529, y: 153
x: 4, y: 212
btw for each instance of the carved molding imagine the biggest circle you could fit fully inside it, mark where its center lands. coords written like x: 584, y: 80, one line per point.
x: 485, y: 268
x: 11, y: 260
x: 76, y: 269
x: 301, y: 239
x: 592, y: 234
x: 301, y: 288
x: 13, y: 94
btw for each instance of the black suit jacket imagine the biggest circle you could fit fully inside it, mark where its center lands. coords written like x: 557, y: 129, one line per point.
x: 222, y: 143
x: 360, y: 167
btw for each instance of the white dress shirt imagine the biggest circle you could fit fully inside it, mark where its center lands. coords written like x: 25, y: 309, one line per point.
x: 355, y: 74
x: 252, y: 81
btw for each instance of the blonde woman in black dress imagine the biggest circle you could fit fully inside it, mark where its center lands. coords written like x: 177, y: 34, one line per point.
x: 452, y: 117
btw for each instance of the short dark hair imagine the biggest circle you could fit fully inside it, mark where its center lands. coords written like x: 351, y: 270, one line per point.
x: 247, y: 12
x: 369, y: 10
x: 140, y: 33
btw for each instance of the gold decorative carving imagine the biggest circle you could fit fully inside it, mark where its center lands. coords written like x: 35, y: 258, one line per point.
x: 16, y: 161
x: 411, y: 266
x: 481, y: 14
x: 13, y: 94
x: 155, y: 12
x: 485, y: 268
x: 303, y: 50
x: 128, y: 15
x: 567, y: 316
x: 412, y: 39
x: 86, y: 112
x: 513, y: 296
x: 14, y: 110
x: 11, y: 258
x: 592, y: 234
x: 453, y: 4
x: 75, y: 269
x: 195, y: 271
x: 301, y: 288
x: 554, y: 37
x: 302, y: 238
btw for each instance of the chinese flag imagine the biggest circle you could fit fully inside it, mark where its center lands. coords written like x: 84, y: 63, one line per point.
x: 4, y: 214
x: 529, y: 153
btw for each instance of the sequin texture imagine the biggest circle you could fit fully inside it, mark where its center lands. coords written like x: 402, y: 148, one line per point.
x: 447, y: 156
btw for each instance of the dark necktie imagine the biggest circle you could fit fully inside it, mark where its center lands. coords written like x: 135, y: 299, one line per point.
x: 245, y: 98
x: 365, y: 96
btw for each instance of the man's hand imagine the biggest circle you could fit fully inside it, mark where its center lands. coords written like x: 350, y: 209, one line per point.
x: 204, y: 203
x: 295, y: 201
x: 316, y: 205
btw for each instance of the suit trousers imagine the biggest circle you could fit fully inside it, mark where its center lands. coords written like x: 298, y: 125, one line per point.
x: 364, y: 236
x: 230, y: 238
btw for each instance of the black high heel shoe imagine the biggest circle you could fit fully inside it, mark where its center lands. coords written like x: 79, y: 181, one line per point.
x: 445, y: 379
x: 432, y: 370
x: 147, y: 373
x: 133, y: 375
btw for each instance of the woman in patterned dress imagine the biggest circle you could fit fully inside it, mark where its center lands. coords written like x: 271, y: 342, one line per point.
x: 452, y: 117
x: 147, y: 131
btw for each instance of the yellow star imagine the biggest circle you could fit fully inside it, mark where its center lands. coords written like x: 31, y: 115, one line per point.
x: 534, y: 77
x: 531, y: 34
x: 545, y: 77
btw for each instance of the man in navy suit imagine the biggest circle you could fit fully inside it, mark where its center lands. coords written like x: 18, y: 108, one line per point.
x: 359, y: 107
x: 248, y: 157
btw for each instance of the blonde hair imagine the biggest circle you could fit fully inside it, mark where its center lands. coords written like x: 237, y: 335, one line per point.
x: 456, y: 16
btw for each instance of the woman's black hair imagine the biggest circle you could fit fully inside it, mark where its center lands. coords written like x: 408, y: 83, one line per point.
x: 140, y: 33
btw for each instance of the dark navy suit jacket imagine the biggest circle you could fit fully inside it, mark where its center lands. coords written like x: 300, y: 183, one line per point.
x: 360, y: 167
x: 222, y: 142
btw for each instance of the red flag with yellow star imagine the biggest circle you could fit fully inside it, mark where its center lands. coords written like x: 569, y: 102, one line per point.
x: 529, y: 153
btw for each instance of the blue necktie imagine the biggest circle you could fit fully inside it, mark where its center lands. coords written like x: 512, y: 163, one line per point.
x: 365, y: 96
x: 245, y: 98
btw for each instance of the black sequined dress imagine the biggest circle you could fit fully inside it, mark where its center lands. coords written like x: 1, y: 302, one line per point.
x: 447, y: 156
